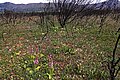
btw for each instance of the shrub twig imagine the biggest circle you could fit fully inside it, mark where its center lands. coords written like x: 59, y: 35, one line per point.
x: 113, y: 63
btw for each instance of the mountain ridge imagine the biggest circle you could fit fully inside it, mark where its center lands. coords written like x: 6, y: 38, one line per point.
x: 32, y: 7
x: 22, y: 7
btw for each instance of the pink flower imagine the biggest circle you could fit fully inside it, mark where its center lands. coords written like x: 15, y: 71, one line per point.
x: 37, y: 49
x: 49, y: 56
x: 50, y: 59
x: 36, y: 61
x: 50, y: 64
x: 31, y: 49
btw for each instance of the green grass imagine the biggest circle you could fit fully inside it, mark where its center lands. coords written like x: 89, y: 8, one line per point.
x: 76, y: 55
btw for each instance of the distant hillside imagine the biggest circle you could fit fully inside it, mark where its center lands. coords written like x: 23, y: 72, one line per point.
x: 109, y: 4
x: 22, y: 7
x: 41, y: 6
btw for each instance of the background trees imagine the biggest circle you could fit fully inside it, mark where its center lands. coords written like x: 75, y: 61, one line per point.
x: 69, y: 10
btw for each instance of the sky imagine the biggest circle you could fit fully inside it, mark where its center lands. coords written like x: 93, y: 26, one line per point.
x: 30, y: 1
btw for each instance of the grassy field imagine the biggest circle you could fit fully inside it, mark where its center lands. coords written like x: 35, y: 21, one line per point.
x: 80, y: 53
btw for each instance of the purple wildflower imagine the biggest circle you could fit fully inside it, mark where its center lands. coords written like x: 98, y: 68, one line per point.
x: 37, y: 49
x: 31, y: 49
x: 50, y: 63
x: 36, y: 61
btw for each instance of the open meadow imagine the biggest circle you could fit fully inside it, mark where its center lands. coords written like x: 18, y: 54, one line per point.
x: 33, y: 48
